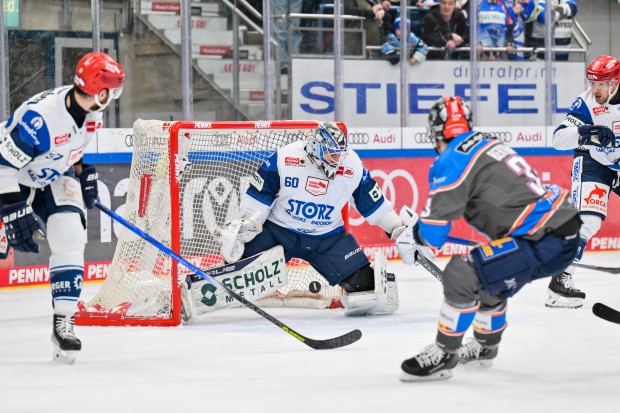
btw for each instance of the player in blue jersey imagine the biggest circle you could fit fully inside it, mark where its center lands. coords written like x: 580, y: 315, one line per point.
x: 295, y: 200
x: 45, y: 187
x: 533, y: 227
x: 590, y: 129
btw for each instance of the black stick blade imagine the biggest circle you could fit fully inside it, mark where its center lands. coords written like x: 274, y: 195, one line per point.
x: 610, y: 270
x: 606, y: 313
x: 336, y: 342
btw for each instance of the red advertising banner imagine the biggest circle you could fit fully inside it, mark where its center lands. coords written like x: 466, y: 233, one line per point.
x: 404, y: 181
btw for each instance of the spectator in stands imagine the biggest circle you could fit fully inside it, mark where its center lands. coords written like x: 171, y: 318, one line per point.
x: 390, y: 50
x: 446, y: 26
x: 280, y: 27
x: 564, y: 13
x: 388, y: 17
x: 495, y: 29
x: 522, y: 12
x: 373, y: 12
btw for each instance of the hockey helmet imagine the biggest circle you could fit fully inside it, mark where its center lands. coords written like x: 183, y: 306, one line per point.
x: 328, y: 146
x: 97, y: 71
x: 603, y: 68
x: 449, y: 117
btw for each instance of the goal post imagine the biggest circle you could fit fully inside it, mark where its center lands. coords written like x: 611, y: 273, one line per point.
x: 185, y: 184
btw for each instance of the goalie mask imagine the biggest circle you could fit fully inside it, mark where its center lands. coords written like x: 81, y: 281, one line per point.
x: 328, y: 147
x: 97, y: 71
x: 448, y: 118
x: 604, y: 74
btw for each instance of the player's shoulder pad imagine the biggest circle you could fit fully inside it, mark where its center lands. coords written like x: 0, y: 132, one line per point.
x: 33, y: 130
x: 453, y: 163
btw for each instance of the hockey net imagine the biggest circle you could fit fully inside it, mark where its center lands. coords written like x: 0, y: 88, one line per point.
x: 185, y: 184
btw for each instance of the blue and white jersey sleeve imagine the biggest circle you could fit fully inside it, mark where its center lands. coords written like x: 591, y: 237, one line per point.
x: 264, y: 188
x: 566, y: 135
x: 368, y: 199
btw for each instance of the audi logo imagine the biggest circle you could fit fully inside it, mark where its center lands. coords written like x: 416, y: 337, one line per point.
x: 129, y: 140
x: 387, y: 181
x: 503, y: 136
x: 358, y: 138
x: 221, y: 139
x: 421, y: 137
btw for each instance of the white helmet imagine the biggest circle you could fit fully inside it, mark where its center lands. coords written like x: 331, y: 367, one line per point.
x: 327, y: 147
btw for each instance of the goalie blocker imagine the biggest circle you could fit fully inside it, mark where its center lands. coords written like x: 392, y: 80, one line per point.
x: 252, y: 278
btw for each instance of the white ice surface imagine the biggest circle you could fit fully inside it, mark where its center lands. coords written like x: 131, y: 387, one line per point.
x: 550, y: 360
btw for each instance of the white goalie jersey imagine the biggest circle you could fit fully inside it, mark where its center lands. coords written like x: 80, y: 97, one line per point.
x: 41, y: 141
x: 291, y: 191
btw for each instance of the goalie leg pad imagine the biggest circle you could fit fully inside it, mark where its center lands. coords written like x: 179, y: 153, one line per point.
x: 261, y: 277
x: 382, y: 300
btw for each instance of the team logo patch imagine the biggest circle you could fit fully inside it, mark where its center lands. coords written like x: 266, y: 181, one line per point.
x: 317, y: 186
x: 61, y: 140
x: 497, y: 248
x: 74, y: 156
x: 344, y: 171
x: 594, y: 197
x: 292, y: 161
x: 599, y: 110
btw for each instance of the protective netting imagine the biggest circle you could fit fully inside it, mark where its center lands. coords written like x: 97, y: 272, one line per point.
x: 213, y: 168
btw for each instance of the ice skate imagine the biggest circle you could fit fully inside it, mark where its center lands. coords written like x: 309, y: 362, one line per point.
x: 66, y: 344
x: 432, y: 363
x: 473, y: 354
x: 562, y: 294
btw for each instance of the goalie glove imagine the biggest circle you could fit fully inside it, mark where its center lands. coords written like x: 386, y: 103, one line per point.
x: 237, y: 234
x: 407, y: 242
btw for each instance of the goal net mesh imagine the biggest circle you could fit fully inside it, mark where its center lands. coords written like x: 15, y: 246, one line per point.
x: 183, y: 194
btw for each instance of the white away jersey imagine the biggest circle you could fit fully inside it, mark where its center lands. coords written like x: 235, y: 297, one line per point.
x: 585, y: 111
x: 41, y: 141
x: 291, y: 191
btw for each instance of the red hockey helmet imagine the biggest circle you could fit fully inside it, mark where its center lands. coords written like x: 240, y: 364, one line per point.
x: 97, y: 71
x: 448, y: 118
x: 603, y: 68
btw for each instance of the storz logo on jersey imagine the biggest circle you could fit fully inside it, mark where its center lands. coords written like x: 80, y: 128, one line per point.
x: 318, y: 214
x: 317, y: 186
x: 599, y: 110
x: 46, y: 176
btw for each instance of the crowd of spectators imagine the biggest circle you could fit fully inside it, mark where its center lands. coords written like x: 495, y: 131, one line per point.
x: 443, y: 25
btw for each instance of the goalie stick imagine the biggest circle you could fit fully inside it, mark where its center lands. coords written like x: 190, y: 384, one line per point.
x: 606, y: 313
x: 336, y: 342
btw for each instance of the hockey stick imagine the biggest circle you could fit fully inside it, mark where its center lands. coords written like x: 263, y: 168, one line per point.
x: 429, y: 265
x: 344, y: 340
x: 606, y: 313
x: 610, y: 270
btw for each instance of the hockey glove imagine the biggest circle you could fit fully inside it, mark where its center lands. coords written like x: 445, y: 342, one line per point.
x: 407, y: 243
x: 597, y: 135
x: 236, y: 234
x: 21, y: 223
x: 88, y: 181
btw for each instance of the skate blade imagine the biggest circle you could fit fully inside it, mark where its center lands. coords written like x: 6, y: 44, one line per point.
x: 557, y: 301
x: 440, y: 375
x: 477, y: 364
x: 62, y: 356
